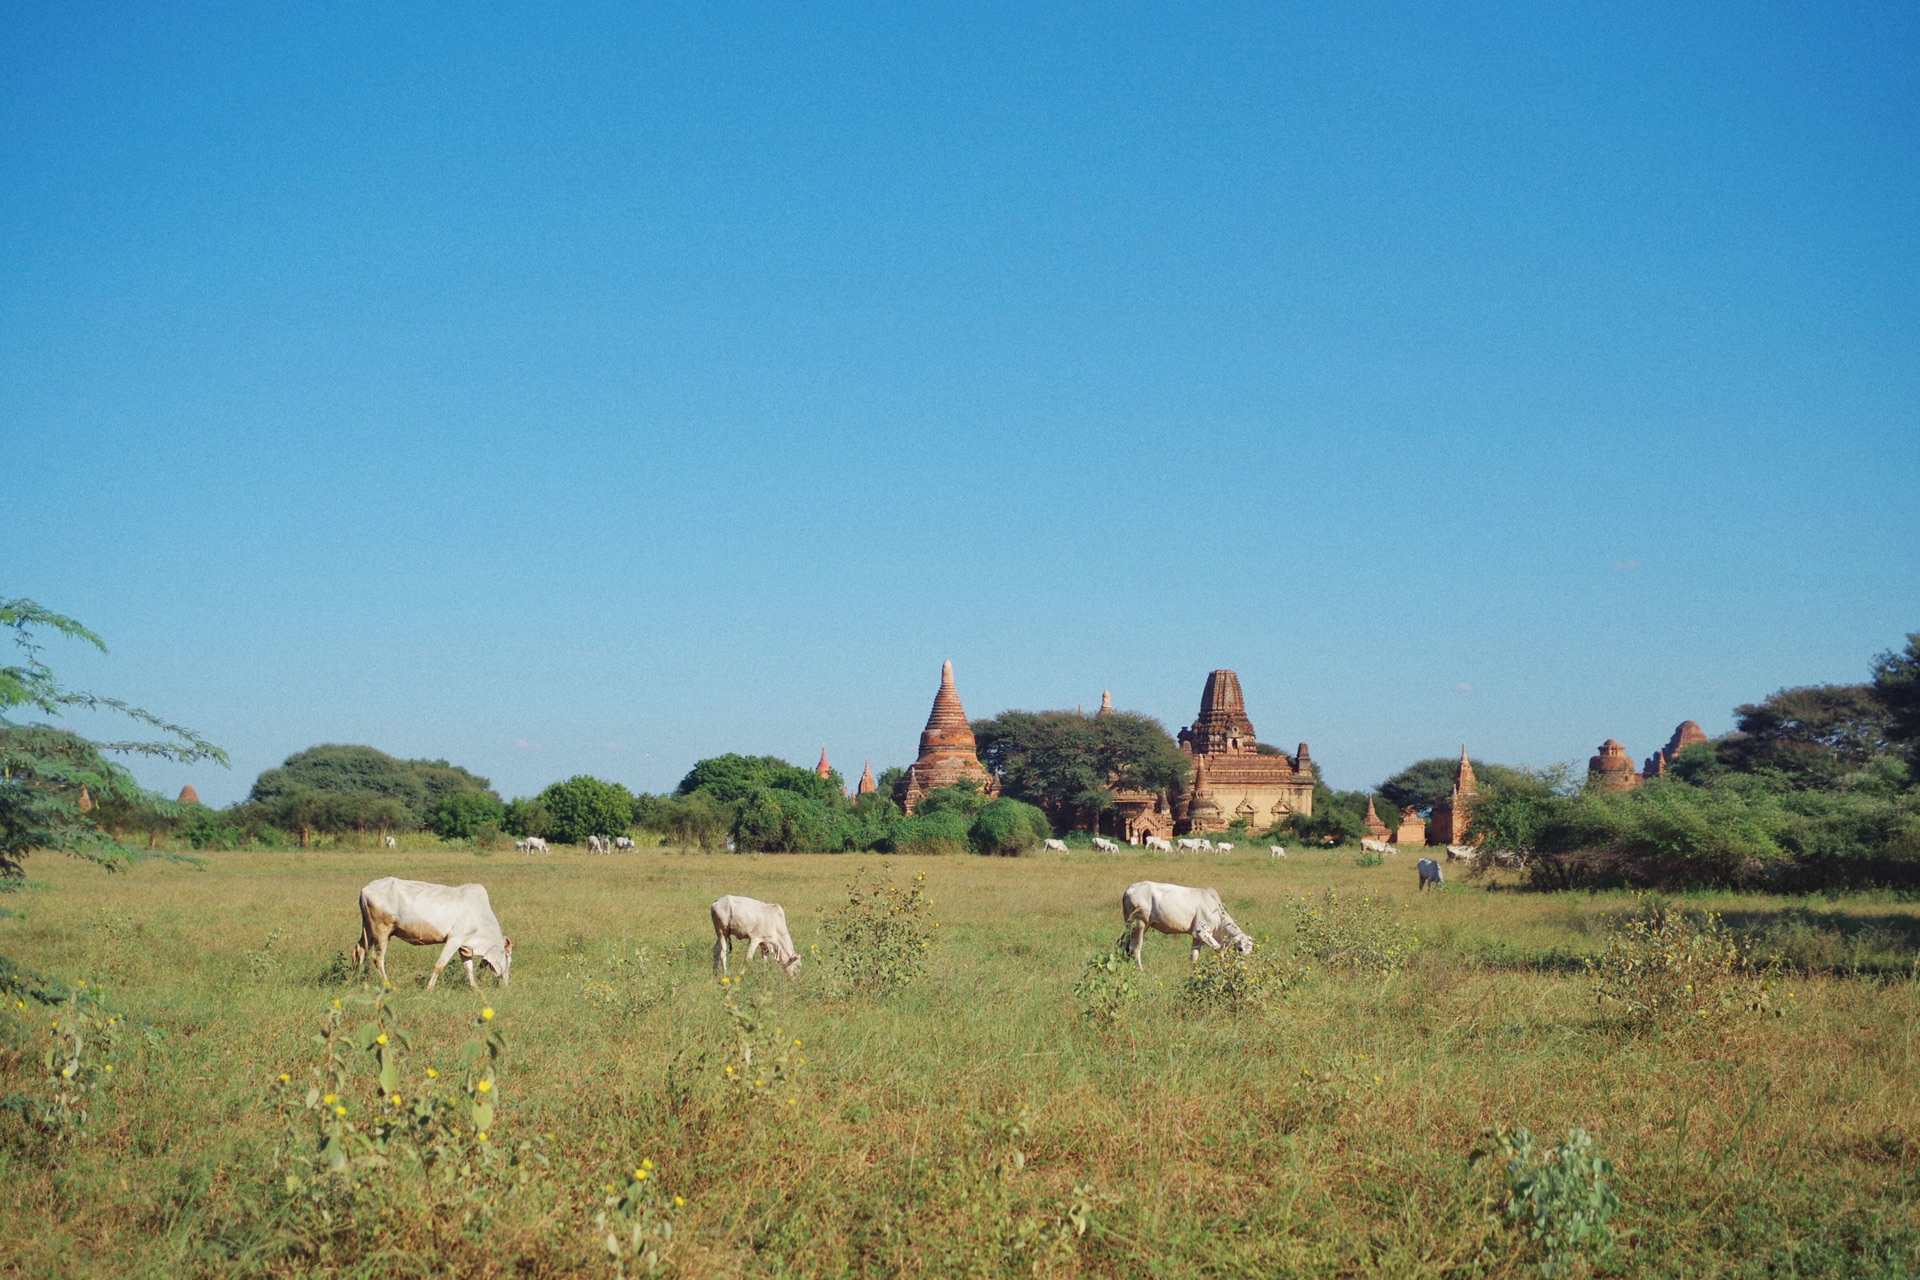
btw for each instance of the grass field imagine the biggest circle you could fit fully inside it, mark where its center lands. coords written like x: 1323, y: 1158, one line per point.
x: 1327, y: 1137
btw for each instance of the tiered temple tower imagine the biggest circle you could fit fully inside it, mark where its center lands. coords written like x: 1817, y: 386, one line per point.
x: 1612, y: 769
x: 866, y: 787
x: 948, y: 751
x: 824, y: 769
x: 1241, y: 781
x: 1452, y: 816
x: 1688, y: 734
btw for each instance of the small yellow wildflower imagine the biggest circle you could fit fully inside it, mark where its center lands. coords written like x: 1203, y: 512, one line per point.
x: 792, y: 1101
x: 486, y: 1014
x: 759, y: 1084
x: 484, y: 1086
x: 640, y: 1175
x: 66, y: 1072
x: 679, y: 1202
x: 432, y: 1074
x: 1376, y: 1079
x: 381, y: 1038
x: 339, y: 1111
x: 284, y: 1077
x: 481, y: 1135
x: 393, y: 1099
x: 646, y: 1164
x: 796, y: 1044
x: 109, y: 1066
x: 729, y: 1070
x: 331, y: 1098
x: 336, y: 1004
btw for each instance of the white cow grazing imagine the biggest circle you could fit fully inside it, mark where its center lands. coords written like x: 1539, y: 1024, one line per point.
x: 1189, y: 846
x: 521, y: 845
x: 1104, y: 845
x: 392, y: 843
x: 1174, y: 909
x: 1430, y: 873
x: 1461, y: 853
x: 1206, y: 846
x: 1275, y: 851
x: 1224, y: 847
x: 459, y: 917
x: 762, y: 924
x: 1158, y: 842
x: 594, y: 845
x: 623, y: 842
x: 537, y: 845
x: 1377, y: 846
x: 1057, y: 846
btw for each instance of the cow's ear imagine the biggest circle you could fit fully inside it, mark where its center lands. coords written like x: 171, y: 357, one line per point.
x: 509, y: 942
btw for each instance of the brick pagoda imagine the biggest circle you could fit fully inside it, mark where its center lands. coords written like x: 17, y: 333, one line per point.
x: 947, y: 750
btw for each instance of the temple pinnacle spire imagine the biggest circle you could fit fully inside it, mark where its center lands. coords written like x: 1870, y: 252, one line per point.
x: 824, y: 769
x: 947, y: 750
x: 1106, y: 702
x: 867, y: 786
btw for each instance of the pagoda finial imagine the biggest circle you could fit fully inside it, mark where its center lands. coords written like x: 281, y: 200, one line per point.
x: 867, y: 786
x: 823, y: 768
x: 1106, y: 702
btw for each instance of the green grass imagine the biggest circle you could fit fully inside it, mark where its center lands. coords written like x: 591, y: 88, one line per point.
x: 1192, y: 1146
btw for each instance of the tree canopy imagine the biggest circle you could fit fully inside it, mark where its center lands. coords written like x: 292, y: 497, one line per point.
x: 731, y: 778
x: 345, y: 782
x: 585, y: 806
x: 1069, y: 764
x: 46, y: 769
x: 1812, y: 734
x: 1425, y: 783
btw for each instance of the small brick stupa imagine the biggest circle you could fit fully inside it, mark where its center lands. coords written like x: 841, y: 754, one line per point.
x: 948, y: 751
x: 824, y: 769
x: 188, y: 795
x: 1612, y: 769
x: 1376, y: 829
x: 867, y: 786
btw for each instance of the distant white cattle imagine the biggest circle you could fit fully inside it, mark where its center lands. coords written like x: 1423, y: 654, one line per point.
x: 536, y: 844
x: 457, y: 916
x: 1430, y: 873
x: 623, y: 842
x: 1275, y: 851
x: 1206, y: 846
x: 1461, y: 853
x: 1057, y: 846
x: 1189, y: 846
x: 1224, y: 847
x: 1104, y: 845
x: 594, y: 845
x: 1176, y: 909
x: 521, y: 845
x: 1160, y: 843
x: 762, y: 924
x: 1377, y: 846
x: 392, y: 843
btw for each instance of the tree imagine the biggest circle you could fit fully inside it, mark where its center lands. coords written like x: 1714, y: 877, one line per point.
x: 1812, y: 735
x: 350, y: 770
x: 585, y: 806
x: 731, y: 778
x: 1896, y: 686
x: 460, y: 816
x: 528, y: 817
x: 1008, y: 828
x: 44, y: 770
x: 1070, y: 764
x: 1425, y: 783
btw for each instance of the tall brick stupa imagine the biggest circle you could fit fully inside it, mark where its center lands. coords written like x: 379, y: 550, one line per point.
x: 948, y: 751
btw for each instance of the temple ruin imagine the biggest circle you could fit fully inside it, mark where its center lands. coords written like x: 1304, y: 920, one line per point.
x: 1234, y: 779
x: 1376, y: 829
x: 1452, y: 817
x: 188, y: 795
x: 824, y: 769
x: 866, y: 787
x: 948, y: 752
x: 1686, y: 735
x: 1612, y: 769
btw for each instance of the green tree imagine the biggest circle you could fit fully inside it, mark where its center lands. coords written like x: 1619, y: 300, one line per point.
x: 1008, y: 828
x: 1069, y: 764
x: 528, y: 816
x: 585, y: 806
x: 460, y: 816
x: 336, y: 769
x: 731, y: 778
x: 1896, y: 686
x: 1812, y: 735
x: 44, y: 769
x: 697, y: 820
x: 1425, y: 783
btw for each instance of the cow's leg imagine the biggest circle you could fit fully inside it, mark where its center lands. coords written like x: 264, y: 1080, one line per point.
x: 721, y: 945
x: 384, y: 979
x: 470, y: 981
x: 446, y: 954
x: 753, y: 948
x: 1136, y: 941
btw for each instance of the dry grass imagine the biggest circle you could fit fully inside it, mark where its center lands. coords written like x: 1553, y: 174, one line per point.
x: 1788, y: 1146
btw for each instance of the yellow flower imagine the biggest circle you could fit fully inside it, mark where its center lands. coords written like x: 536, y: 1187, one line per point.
x: 792, y: 1101
x: 758, y: 1084
x: 109, y: 1066
x: 729, y: 1070
x: 336, y: 1004
x: 66, y: 1072
x: 331, y: 1098
x: 394, y: 1099
x: 646, y: 1164
x: 486, y: 1014
x: 1376, y: 1079
x: 381, y: 1038
x: 284, y: 1077
x: 803, y: 1062
x: 339, y: 1111
x: 432, y: 1074
x: 640, y: 1175
x: 679, y: 1202
x: 481, y: 1135
x: 484, y: 1085
x: 796, y: 1044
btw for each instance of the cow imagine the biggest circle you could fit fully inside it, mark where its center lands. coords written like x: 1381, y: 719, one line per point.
x: 1057, y: 846
x: 1224, y: 847
x: 594, y: 845
x: 1161, y: 843
x: 1176, y: 909
x: 1189, y: 846
x: 762, y: 924
x: 1275, y: 851
x: 623, y: 842
x: 1104, y: 845
x: 1205, y: 846
x: 521, y: 845
x: 392, y: 843
x: 535, y: 844
x: 1461, y: 853
x: 458, y: 917
x: 1377, y: 846
x: 1430, y: 873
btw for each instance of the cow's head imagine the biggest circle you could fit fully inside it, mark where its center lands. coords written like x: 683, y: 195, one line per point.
x: 790, y: 964
x: 500, y: 959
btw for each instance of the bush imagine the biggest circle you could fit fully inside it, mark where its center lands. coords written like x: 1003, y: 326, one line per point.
x: 211, y: 829
x: 694, y: 821
x: 1358, y: 935
x: 878, y: 941
x: 1564, y: 1201
x: 461, y: 815
x: 1225, y: 981
x: 1661, y: 969
x: 1108, y: 988
x: 1008, y: 828
x: 946, y: 831
x: 528, y: 817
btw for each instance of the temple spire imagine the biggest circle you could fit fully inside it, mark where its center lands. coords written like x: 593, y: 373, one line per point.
x: 1106, y: 702
x: 824, y: 769
x: 1463, y: 779
x: 867, y: 786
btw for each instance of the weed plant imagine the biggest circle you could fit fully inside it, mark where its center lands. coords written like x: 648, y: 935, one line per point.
x: 878, y: 940
x: 1361, y: 934
x: 1661, y: 969
x: 1561, y: 1201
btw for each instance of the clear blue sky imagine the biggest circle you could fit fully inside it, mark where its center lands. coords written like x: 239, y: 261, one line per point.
x: 559, y: 388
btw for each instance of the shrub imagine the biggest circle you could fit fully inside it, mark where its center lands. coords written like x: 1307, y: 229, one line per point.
x: 585, y: 806
x: 943, y: 832
x: 1368, y: 858
x: 75, y: 1064
x: 1361, y: 935
x: 1661, y: 969
x: 695, y: 821
x: 878, y: 940
x: 461, y: 815
x: 1008, y: 828
x: 1225, y: 981
x: 211, y: 829
x: 1108, y: 988
x: 1563, y: 1200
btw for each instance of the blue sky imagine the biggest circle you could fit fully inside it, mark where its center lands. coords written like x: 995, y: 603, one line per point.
x: 565, y: 388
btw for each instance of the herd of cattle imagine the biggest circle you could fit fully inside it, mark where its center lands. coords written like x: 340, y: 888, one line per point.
x: 459, y: 920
